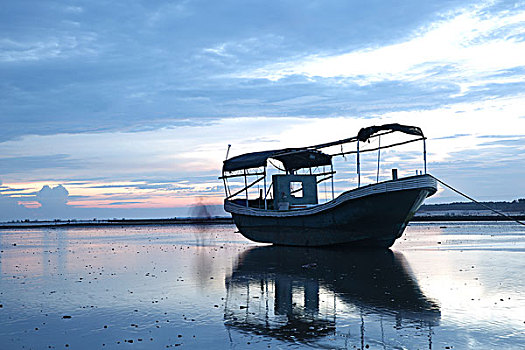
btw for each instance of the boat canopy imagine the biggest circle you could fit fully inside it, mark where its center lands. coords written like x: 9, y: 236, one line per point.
x: 292, y: 159
x: 248, y: 160
x: 311, y: 156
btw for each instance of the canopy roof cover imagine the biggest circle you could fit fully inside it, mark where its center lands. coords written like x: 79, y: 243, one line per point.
x: 292, y: 159
x: 307, y: 157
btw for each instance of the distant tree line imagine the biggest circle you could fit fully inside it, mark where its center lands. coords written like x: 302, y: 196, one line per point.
x: 516, y: 206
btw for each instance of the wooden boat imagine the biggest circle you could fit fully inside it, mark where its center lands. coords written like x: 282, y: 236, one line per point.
x: 373, y: 215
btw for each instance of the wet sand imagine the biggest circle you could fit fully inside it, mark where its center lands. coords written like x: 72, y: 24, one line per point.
x: 442, y: 285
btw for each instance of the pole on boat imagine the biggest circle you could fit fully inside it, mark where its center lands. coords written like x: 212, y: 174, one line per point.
x: 265, y: 205
x: 425, y: 154
x: 246, y: 187
x: 223, y: 177
x: 228, y: 151
x: 378, y: 158
x: 332, y: 171
x: 358, y: 167
x: 225, y: 185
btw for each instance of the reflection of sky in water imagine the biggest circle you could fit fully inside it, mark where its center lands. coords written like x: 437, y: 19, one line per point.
x: 452, y: 284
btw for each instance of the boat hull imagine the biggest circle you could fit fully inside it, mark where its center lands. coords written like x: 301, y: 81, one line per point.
x: 373, y: 216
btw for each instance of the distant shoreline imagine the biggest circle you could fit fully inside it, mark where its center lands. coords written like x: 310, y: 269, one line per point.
x: 432, y: 218
x: 215, y: 221
x: 116, y: 222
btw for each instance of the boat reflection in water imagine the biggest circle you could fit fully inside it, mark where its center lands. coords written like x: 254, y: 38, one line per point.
x: 313, y: 295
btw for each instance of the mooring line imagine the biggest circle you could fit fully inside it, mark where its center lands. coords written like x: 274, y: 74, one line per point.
x: 475, y: 201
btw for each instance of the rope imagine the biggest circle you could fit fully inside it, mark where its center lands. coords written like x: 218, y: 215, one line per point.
x: 475, y: 201
x: 276, y: 166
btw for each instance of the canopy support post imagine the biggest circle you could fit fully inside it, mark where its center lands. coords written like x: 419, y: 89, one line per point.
x: 378, y: 158
x: 265, y: 204
x: 225, y: 186
x: 224, y: 179
x: 228, y: 151
x: 358, y: 167
x: 332, y: 171
x: 425, y: 154
x: 246, y: 187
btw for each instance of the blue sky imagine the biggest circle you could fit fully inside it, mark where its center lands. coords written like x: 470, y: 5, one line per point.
x: 125, y: 109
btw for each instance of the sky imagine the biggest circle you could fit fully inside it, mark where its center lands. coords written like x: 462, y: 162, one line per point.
x: 126, y: 108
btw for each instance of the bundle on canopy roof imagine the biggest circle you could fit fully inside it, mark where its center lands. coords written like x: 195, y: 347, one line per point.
x: 365, y: 133
x: 307, y: 158
x: 292, y: 159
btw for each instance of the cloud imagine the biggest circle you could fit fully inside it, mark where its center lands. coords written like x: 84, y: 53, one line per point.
x: 123, y: 203
x: 10, y: 209
x: 66, y: 46
x: 24, y: 164
x: 9, y: 206
x: 473, y: 46
x: 70, y: 69
x: 52, y: 198
x: 47, y: 203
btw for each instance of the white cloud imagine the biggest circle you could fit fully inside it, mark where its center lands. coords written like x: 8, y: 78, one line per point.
x: 468, y: 46
x: 192, y: 151
x: 53, y: 47
x: 74, y: 9
x: 167, y: 12
x: 52, y: 197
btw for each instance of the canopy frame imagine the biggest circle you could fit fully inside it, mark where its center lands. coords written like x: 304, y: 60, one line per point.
x: 294, y: 159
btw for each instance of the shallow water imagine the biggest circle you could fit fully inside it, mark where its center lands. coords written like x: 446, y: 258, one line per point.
x: 442, y: 285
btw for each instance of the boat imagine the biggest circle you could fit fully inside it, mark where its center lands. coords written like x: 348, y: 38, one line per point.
x: 288, y: 209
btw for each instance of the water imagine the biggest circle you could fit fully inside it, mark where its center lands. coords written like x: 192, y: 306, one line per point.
x: 442, y: 285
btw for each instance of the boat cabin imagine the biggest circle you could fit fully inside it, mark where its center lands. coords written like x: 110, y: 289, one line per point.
x: 294, y: 191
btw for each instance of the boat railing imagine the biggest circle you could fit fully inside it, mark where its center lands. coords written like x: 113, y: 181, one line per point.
x: 255, y: 164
